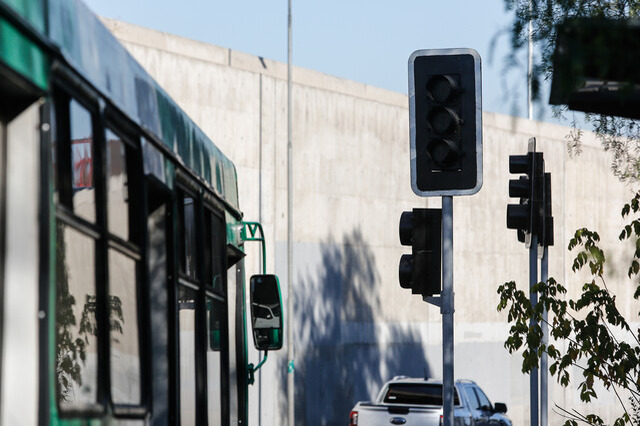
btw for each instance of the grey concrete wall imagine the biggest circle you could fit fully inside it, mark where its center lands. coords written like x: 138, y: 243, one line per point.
x: 355, y: 326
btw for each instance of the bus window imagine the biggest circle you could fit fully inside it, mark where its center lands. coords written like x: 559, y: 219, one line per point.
x: 98, y: 265
x: 187, y: 328
x: 123, y: 314
x: 123, y: 300
x: 117, y: 186
x: 188, y: 241
x: 187, y: 303
x: 153, y: 161
x: 84, y: 198
x: 158, y: 269
x: 217, y: 239
x: 216, y: 333
x: 77, y: 254
x: 76, y: 327
x: 217, y: 348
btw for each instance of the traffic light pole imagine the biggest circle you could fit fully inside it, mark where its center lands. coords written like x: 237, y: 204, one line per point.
x: 533, y: 220
x: 445, y: 129
x: 533, y: 280
x: 447, y: 309
x: 544, y: 359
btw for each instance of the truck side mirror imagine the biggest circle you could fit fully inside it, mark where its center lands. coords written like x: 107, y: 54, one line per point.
x: 499, y: 407
x: 266, y: 312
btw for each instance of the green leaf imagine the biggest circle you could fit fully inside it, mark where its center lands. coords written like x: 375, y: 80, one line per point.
x: 634, y: 268
x: 625, y: 210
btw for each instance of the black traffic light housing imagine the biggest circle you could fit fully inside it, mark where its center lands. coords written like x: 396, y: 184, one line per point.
x: 445, y: 111
x: 421, y: 271
x: 596, y: 66
x: 528, y: 216
x: 546, y: 239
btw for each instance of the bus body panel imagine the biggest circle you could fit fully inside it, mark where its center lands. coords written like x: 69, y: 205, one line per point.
x: 20, y: 325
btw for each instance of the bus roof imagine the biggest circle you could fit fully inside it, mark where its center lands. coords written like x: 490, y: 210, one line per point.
x: 88, y: 46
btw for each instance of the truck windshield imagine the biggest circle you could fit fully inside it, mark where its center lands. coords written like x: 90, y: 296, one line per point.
x: 417, y: 394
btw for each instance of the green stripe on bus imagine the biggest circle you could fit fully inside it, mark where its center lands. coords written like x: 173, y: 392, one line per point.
x: 21, y: 54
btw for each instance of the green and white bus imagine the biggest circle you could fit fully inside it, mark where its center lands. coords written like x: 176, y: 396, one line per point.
x: 122, y: 290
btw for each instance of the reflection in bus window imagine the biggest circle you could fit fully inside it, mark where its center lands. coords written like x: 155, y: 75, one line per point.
x: 84, y: 202
x: 189, y: 251
x: 54, y: 156
x: 217, y: 239
x: 117, y: 187
x: 153, y: 161
x: 76, y: 330
x: 123, y: 314
x: 186, y: 324
x: 215, y: 330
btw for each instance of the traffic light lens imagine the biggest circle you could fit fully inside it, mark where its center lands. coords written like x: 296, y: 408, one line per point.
x: 519, y: 164
x: 443, y: 120
x: 442, y: 88
x: 518, y: 216
x: 406, y: 228
x: 443, y: 152
x: 520, y: 188
x: 405, y: 270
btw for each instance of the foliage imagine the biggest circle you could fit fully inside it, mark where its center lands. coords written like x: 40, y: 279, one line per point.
x: 588, y: 327
x: 73, y: 339
x: 619, y: 136
x: 70, y: 349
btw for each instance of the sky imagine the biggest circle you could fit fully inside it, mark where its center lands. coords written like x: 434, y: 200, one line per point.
x: 364, y: 41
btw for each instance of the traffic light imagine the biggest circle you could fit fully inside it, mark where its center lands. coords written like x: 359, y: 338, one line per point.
x: 445, y: 113
x: 527, y: 216
x: 588, y: 73
x: 421, y: 270
x: 547, y: 218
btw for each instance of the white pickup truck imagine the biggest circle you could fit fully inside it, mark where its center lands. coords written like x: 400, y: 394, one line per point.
x: 407, y: 401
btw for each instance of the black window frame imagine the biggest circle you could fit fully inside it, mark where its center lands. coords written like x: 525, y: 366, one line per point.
x: 192, y: 283
x: 133, y: 248
x: 63, y: 94
x: 213, y: 210
x: 205, y: 207
x: 65, y: 89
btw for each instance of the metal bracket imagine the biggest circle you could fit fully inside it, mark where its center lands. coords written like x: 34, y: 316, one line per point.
x: 251, y: 370
x: 254, y: 228
x: 434, y: 300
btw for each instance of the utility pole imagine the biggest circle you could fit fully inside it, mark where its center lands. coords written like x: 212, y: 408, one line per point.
x: 290, y: 322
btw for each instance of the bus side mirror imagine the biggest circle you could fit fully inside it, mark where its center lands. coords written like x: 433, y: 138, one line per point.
x: 266, y: 312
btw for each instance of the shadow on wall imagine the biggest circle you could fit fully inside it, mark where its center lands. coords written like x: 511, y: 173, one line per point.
x: 341, y: 355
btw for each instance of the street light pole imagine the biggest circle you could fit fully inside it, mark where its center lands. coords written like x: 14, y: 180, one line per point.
x: 290, y: 322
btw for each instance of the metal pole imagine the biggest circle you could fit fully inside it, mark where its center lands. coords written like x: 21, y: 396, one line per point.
x: 530, y: 69
x: 533, y: 249
x: 544, y: 360
x: 290, y: 343
x: 447, y: 310
x: 533, y: 280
